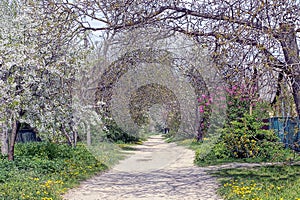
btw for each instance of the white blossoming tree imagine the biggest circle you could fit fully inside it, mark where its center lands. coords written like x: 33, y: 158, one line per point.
x: 39, y: 59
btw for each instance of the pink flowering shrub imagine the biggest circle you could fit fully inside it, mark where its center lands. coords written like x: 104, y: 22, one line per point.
x: 242, y: 135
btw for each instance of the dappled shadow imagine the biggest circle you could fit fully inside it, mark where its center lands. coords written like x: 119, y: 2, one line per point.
x: 186, y: 183
x: 156, y: 171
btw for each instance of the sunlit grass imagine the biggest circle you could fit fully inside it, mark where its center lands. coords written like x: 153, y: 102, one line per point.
x: 46, y: 170
x: 266, y: 183
x: 108, y: 153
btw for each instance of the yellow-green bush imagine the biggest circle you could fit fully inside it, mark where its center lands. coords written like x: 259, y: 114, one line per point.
x: 244, y: 139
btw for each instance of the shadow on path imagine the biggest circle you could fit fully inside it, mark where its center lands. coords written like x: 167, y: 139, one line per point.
x: 156, y: 171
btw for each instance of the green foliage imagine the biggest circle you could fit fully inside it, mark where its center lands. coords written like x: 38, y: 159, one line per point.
x: 245, y: 140
x: 107, y: 153
x: 220, y: 151
x: 116, y: 134
x: 243, y: 137
x: 267, y: 183
x: 45, y: 150
x: 237, y: 105
x: 45, y: 170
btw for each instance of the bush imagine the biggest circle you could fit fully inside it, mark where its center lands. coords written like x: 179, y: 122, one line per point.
x: 220, y: 151
x: 45, y: 150
x: 244, y: 138
x: 116, y: 134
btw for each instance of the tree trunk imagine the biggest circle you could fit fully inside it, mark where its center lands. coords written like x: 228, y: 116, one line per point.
x: 88, y: 135
x: 254, y: 90
x: 4, y: 140
x: 75, y: 135
x: 290, y: 49
x: 15, y: 128
x: 296, y: 92
x: 200, y: 131
x: 278, y: 89
x: 63, y: 130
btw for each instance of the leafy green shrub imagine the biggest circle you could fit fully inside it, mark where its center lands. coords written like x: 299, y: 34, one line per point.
x: 46, y: 150
x: 116, y: 134
x: 244, y: 138
x: 221, y: 151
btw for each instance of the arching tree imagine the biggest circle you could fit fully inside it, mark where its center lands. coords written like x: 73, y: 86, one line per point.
x: 148, y: 95
x: 161, y: 68
x: 244, y: 37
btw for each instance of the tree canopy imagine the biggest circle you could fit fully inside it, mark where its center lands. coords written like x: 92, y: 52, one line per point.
x: 243, y: 37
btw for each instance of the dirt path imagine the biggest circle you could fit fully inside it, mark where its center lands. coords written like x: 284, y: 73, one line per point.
x: 156, y: 171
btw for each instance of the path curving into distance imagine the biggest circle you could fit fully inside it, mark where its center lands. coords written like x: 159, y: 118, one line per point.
x: 156, y: 171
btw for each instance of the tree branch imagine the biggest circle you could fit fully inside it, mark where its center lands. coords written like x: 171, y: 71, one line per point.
x: 248, y: 42
x: 214, y: 17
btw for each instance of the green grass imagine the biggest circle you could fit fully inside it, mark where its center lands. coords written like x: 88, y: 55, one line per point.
x: 266, y: 183
x: 188, y: 143
x: 111, y: 153
x: 285, y: 156
x: 107, y: 153
x: 45, y: 170
x: 127, y: 147
x: 210, y: 157
x: 281, y: 155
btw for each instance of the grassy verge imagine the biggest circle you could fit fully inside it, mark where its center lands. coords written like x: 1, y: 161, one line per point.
x: 45, y: 170
x: 213, y: 157
x: 108, y: 153
x: 282, y: 156
x: 260, y: 183
x: 279, y: 155
x: 188, y: 143
x: 265, y: 183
